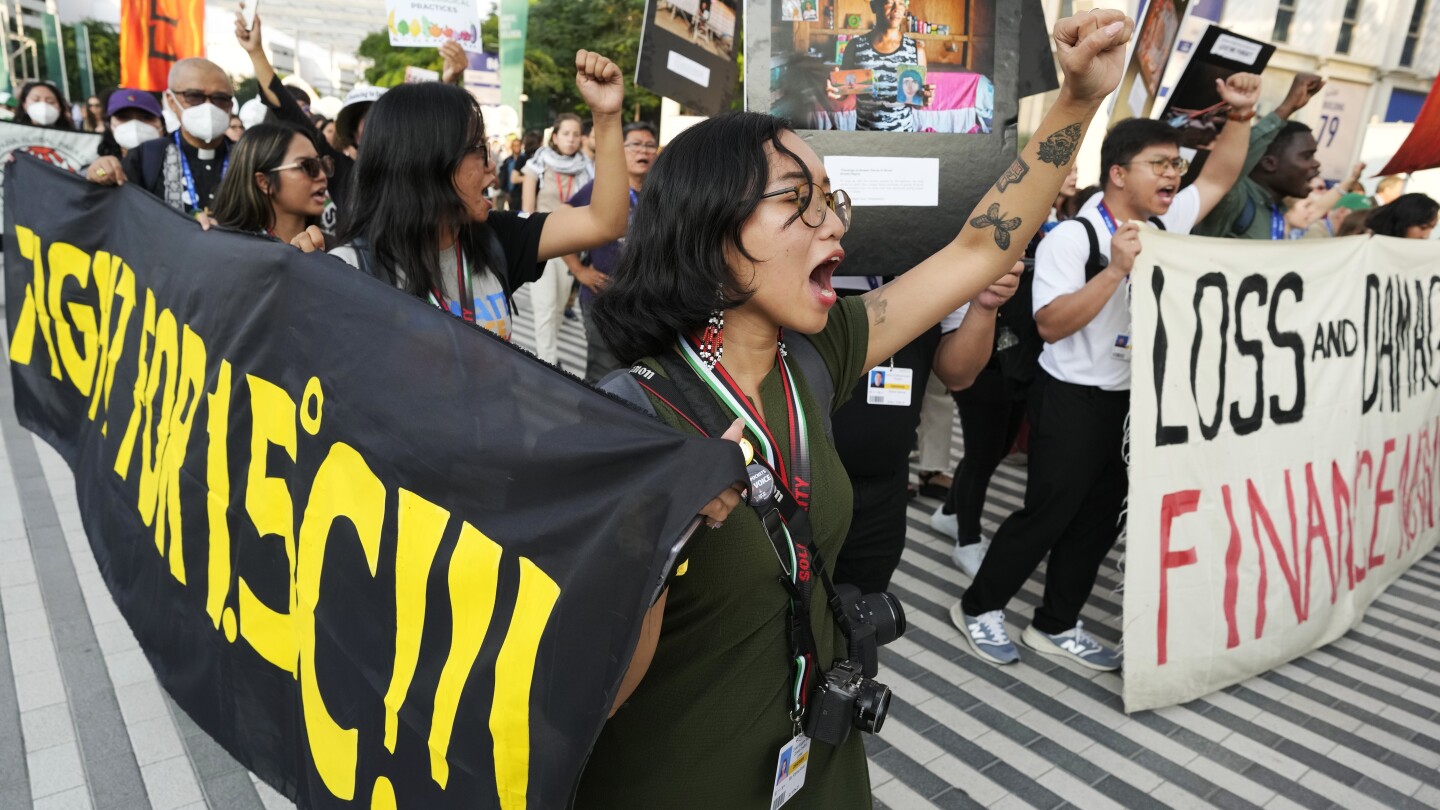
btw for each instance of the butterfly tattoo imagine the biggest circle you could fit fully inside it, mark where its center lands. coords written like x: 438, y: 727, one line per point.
x: 1003, y: 227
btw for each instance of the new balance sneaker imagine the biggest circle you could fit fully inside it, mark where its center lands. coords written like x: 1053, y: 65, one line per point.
x: 968, y: 558
x: 948, y: 525
x: 1074, y: 644
x: 986, y: 635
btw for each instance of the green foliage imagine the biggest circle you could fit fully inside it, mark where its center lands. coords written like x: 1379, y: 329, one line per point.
x: 390, y: 62
x: 562, y: 27
x: 104, y: 57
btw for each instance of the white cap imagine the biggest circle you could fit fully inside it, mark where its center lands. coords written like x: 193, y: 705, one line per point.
x: 357, y: 103
x: 252, y: 112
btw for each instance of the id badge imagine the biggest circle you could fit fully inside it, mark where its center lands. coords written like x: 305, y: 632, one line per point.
x: 887, y: 385
x: 790, y: 770
x: 1122, y: 348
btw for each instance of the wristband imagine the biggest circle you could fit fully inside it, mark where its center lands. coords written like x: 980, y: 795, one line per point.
x: 1241, y: 117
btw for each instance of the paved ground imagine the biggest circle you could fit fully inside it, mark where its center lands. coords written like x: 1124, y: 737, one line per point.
x: 1356, y: 725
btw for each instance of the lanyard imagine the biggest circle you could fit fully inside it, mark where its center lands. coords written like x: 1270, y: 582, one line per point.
x: 192, y: 192
x: 1107, y: 218
x: 565, y: 189
x: 1277, y: 223
x: 464, y: 283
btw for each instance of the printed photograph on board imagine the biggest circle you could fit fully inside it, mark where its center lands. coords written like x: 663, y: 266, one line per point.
x: 885, y: 65
x: 707, y: 23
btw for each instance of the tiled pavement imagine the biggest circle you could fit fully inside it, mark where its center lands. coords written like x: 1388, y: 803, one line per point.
x: 1355, y: 725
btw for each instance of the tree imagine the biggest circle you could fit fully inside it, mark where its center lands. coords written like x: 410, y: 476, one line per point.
x: 104, y: 57
x: 561, y: 27
x: 390, y: 62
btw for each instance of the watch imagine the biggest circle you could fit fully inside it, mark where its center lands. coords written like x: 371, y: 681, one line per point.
x: 1241, y: 117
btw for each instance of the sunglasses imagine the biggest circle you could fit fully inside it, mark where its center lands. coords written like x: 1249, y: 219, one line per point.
x: 814, y: 206
x: 194, y: 98
x: 313, y: 167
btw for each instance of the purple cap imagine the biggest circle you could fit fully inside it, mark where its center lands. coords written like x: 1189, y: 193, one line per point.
x: 125, y: 99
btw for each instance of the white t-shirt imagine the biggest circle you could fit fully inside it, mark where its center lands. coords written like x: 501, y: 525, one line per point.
x: 1098, y: 354
x: 492, y: 311
x: 954, y: 319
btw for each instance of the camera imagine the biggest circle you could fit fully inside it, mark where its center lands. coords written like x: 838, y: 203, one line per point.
x: 844, y: 700
x: 849, y: 697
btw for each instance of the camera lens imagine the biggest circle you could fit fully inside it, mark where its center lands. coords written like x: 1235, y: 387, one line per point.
x: 883, y: 611
x: 872, y: 704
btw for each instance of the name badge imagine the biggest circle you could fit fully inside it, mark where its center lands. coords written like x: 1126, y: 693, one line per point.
x: 790, y: 770
x: 1122, y: 348
x: 886, y: 385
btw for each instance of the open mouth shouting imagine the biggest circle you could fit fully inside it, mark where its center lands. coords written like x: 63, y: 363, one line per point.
x: 820, y: 278
x: 1166, y: 195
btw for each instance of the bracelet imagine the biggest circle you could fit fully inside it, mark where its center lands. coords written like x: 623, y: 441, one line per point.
x: 1241, y: 117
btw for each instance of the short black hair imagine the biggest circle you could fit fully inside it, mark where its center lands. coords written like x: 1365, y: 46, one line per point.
x: 1287, y: 133
x: 298, y: 94
x: 641, y: 126
x: 1405, y: 211
x: 1131, y: 137
x: 586, y: 127
x: 674, y: 271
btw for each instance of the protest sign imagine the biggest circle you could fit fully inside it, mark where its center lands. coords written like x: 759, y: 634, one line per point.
x: 383, y: 557
x: 1284, y: 447
x: 911, y: 170
x: 687, y: 52
x: 1218, y: 55
x: 154, y: 35
x: 1155, y: 34
x: 429, y: 23
x: 68, y: 150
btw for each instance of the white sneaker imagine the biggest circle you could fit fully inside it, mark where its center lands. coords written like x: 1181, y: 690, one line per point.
x: 948, y: 525
x: 968, y: 558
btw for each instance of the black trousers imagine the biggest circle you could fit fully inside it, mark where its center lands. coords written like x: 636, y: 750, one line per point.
x: 1073, y: 500
x: 874, y: 442
x: 991, y: 411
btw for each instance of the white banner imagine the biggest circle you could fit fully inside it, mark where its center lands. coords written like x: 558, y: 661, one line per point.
x: 69, y: 150
x: 1284, y: 439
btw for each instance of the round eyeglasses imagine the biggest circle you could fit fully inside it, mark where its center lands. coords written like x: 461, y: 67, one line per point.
x: 814, y: 204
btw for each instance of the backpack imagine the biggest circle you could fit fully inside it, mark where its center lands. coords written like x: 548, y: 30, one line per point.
x: 624, y: 384
x: 1017, y: 357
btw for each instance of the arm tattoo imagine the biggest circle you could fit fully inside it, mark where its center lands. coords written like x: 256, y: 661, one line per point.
x: 1003, y: 227
x: 1012, y: 175
x: 1060, y: 146
x: 875, y: 302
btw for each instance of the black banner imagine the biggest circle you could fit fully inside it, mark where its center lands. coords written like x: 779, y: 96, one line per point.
x: 382, y: 557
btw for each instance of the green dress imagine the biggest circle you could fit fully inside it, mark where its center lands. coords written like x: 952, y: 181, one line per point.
x: 705, y: 727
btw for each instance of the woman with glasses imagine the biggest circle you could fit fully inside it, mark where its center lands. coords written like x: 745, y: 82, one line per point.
x: 419, y: 217
x: 726, y: 274
x: 276, y: 185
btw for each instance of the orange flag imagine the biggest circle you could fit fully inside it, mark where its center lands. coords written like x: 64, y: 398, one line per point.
x: 154, y: 35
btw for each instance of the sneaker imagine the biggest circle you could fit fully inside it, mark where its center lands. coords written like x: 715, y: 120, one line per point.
x: 1075, y: 644
x: 968, y: 558
x: 948, y: 525
x: 986, y: 635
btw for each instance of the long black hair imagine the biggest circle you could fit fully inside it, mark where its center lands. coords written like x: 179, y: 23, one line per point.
x: 673, y: 271
x: 403, y: 187
x: 240, y: 204
x: 1403, y: 212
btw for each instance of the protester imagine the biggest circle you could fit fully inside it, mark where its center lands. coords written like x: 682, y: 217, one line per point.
x: 236, y: 128
x: 1080, y: 402
x: 507, y: 174
x: 737, y: 237
x: 185, y: 170
x: 350, y: 122
x: 1408, y: 216
x: 1309, y: 218
x: 1346, y: 208
x: 327, y: 131
x: 530, y: 144
x: 132, y: 118
x: 93, y: 119
x: 419, y: 218
x: 41, y: 104
x: 276, y: 185
x: 642, y: 142
x: 301, y: 97
x: 1280, y: 163
x: 1390, y: 187
x: 551, y: 178
x: 885, y: 49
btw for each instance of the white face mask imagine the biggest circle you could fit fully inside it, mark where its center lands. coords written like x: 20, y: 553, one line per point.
x: 41, y: 113
x: 133, y: 133
x: 171, y: 122
x: 204, y: 122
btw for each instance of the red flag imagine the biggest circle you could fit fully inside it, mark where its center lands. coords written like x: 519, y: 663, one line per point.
x: 154, y: 35
x: 1421, y: 149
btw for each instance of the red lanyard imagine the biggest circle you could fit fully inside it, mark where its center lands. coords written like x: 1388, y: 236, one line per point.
x: 462, y: 285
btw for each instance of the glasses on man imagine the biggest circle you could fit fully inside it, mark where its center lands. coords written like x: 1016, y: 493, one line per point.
x: 313, y: 167
x: 642, y: 146
x: 194, y: 98
x: 814, y: 204
x: 1160, y: 164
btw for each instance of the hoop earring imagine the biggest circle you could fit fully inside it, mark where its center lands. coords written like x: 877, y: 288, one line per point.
x: 712, y: 340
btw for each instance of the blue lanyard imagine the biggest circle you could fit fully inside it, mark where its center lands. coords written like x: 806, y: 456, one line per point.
x: 1277, y: 223
x: 192, y: 193
x: 1107, y: 219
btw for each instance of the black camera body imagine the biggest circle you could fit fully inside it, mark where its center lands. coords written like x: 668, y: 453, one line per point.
x: 848, y: 697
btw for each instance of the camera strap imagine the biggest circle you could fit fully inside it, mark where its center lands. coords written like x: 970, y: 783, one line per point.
x: 784, y: 517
